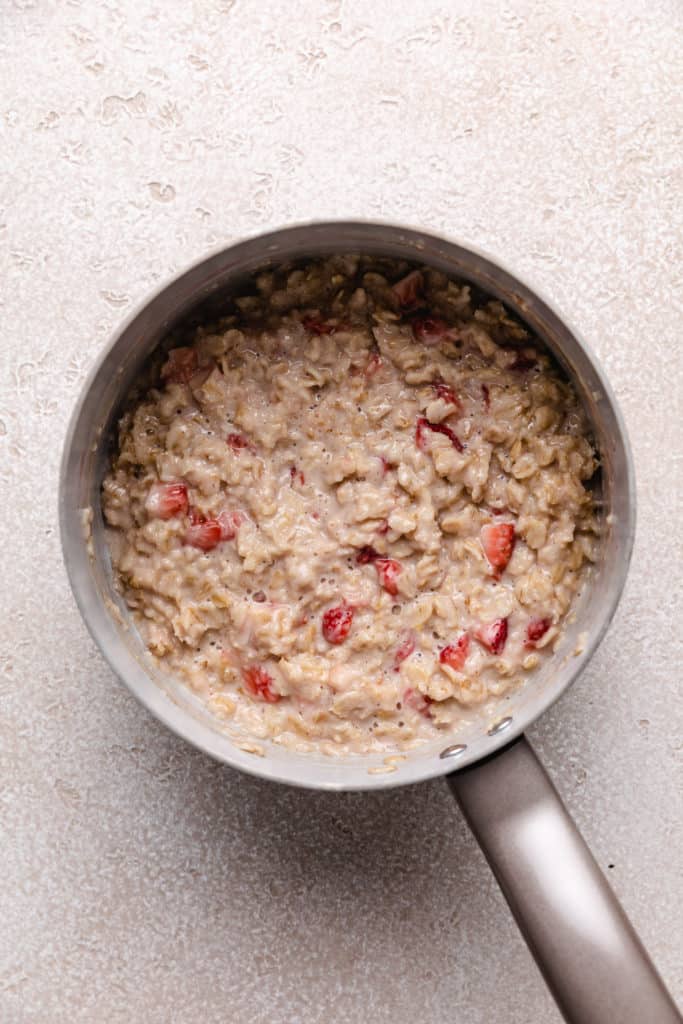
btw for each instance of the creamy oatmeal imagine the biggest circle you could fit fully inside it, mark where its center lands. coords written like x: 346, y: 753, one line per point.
x: 354, y: 508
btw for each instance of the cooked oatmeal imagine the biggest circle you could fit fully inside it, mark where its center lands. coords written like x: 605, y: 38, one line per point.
x: 354, y: 507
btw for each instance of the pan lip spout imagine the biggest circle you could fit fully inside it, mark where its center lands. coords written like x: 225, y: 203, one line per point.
x: 85, y: 450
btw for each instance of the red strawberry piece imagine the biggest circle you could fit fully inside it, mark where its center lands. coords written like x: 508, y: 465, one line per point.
x: 166, y: 500
x: 418, y: 702
x: 366, y: 555
x: 498, y: 541
x: 486, y: 395
x: 180, y: 365
x: 429, y: 329
x: 423, y: 425
x: 535, y: 630
x: 455, y: 655
x: 386, y: 465
x: 230, y: 523
x: 388, y: 570
x: 317, y: 326
x: 493, y: 635
x: 337, y: 623
x: 408, y: 290
x: 404, y: 650
x: 204, y: 534
x: 446, y: 393
x: 374, y: 364
x: 239, y: 443
x: 260, y: 684
x: 296, y: 475
x: 383, y: 527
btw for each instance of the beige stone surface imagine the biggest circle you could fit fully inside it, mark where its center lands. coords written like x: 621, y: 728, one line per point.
x: 140, y: 881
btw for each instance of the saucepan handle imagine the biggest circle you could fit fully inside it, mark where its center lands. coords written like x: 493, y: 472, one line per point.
x: 585, y: 946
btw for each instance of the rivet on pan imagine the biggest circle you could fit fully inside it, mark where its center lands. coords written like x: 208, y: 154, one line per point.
x: 500, y: 726
x: 455, y: 750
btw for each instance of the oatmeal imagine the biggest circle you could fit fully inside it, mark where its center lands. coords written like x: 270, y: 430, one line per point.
x: 353, y: 508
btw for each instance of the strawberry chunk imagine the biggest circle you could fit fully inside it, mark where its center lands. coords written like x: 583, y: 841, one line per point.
x: 498, y: 541
x: 383, y: 528
x: 180, y: 365
x: 429, y: 330
x: 535, y: 630
x: 337, y: 623
x: 446, y: 393
x: 166, y: 500
x: 493, y: 635
x: 239, y: 443
x: 260, y: 684
x: 404, y: 650
x: 455, y: 655
x: 317, y: 326
x: 408, y: 290
x: 230, y: 523
x: 204, y: 534
x: 486, y: 395
x: 388, y: 570
x: 423, y: 425
x: 418, y: 702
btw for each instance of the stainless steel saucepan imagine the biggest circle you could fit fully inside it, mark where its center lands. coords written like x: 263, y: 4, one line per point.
x: 588, y: 952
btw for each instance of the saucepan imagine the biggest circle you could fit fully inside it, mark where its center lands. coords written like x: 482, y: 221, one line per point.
x: 587, y: 950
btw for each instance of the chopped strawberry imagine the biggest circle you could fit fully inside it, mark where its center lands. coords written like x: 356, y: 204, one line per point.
x: 501, y: 510
x: 260, y: 684
x: 337, y: 623
x: 180, y: 365
x: 493, y: 635
x: 317, y: 326
x: 455, y: 655
x: 486, y: 395
x: 374, y: 364
x: 204, y: 534
x: 446, y: 393
x: 404, y: 650
x: 535, y: 630
x: 418, y: 702
x: 498, y: 541
x: 165, y: 501
x: 388, y: 570
x: 239, y: 443
x: 366, y: 555
x: 230, y: 523
x: 386, y: 465
x: 408, y: 290
x: 423, y: 425
x: 296, y: 475
x: 383, y: 527
x: 429, y: 329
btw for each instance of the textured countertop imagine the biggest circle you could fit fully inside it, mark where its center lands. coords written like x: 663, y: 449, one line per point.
x: 141, y: 881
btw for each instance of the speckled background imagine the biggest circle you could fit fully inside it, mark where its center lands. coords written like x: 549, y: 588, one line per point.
x: 140, y: 881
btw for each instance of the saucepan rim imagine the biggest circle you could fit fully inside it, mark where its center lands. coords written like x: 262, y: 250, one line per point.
x: 100, y: 622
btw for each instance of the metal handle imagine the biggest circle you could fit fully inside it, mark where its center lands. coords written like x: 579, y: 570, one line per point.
x: 585, y: 946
